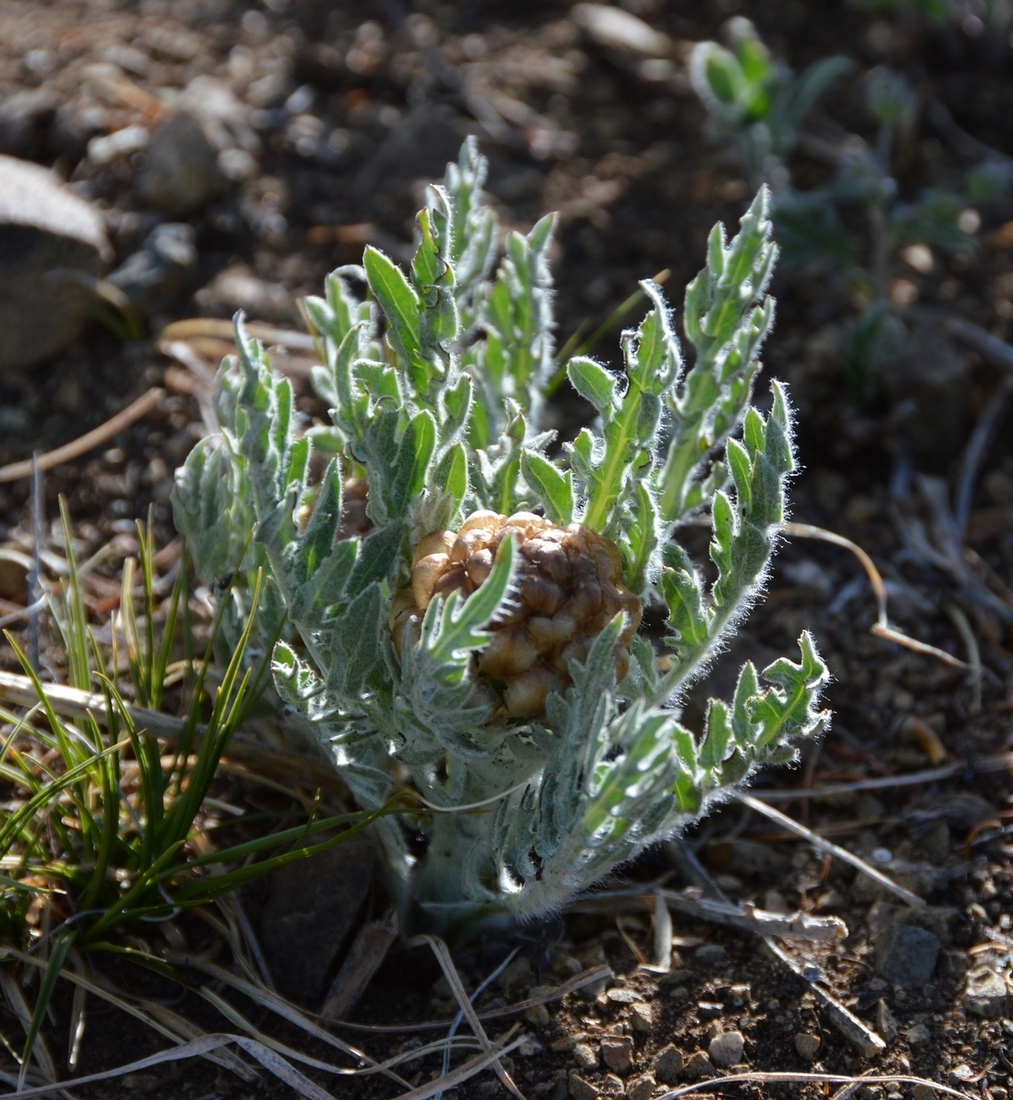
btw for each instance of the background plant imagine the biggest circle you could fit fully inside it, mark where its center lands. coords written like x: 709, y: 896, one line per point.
x: 433, y: 381
x: 850, y: 229
x: 99, y: 835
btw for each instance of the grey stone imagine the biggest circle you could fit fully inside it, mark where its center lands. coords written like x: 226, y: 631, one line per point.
x: 181, y: 173
x: 986, y: 993
x: 642, y: 1017
x: 160, y: 268
x: 710, y: 954
x: 585, y: 1056
x: 640, y: 1088
x: 918, y: 1035
x: 22, y: 116
x: 906, y: 955
x: 668, y: 1064
x: 622, y: 30
x: 726, y: 1049
x: 697, y: 1066
x: 617, y: 1053
x: 581, y: 1089
x: 310, y: 909
x: 807, y: 1045
x: 54, y: 247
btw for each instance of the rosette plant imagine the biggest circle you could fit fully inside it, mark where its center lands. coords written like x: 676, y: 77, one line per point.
x: 473, y: 634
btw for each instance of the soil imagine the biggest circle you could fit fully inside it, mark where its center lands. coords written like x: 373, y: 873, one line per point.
x: 335, y: 114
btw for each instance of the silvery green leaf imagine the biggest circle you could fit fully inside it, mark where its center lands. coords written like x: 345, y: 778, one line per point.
x: 553, y: 487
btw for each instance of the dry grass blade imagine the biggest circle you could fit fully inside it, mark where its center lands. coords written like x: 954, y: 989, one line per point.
x: 159, y: 1018
x: 828, y: 846
x: 882, y: 627
x: 19, y: 1006
x: 74, y: 703
x: 466, y: 1070
x: 17, y: 471
x: 804, y: 1078
x: 202, y: 1047
x: 442, y: 954
x: 275, y: 1003
x: 571, y: 985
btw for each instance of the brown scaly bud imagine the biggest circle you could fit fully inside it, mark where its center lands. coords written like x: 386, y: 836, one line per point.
x: 567, y: 588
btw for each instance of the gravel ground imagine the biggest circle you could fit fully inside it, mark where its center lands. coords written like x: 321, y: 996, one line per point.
x: 321, y: 120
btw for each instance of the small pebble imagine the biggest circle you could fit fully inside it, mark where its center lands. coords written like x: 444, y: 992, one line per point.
x: 918, y: 1034
x: 807, y: 1045
x: 617, y: 1053
x: 726, y: 1049
x: 538, y: 1016
x: 640, y: 1088
x: 585, y: 1056
x: 668, y: 1064
x: 642, y: 1017
x: 710, y: 1010
x: 697, y: 1066
x: 581, y: 1089
x: 710, y: 954
x: 611, y: 1085
x: 985, y: 993
x: 621, y: 996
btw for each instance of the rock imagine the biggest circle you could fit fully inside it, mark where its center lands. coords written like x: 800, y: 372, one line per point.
x: 419, y: 146
x: 617, y: 1053
x: 585, y: 1056
x: 310, y: 908
x: 697, y: 1066
x: 580, y: 1089
x: 726, y: 1049
x: 54, y: 247
x: 614, y: 28
x: 238, y: 287
x: 906, y: 955
x: 106, y: 148
x: 641, y: 1088
x: 668, y: 1064
x: 986, y: 993
x: 710, y: 954
x: 159, y: 269
x: 642, y: 1017
x: 807, y: 1045
x: 23, y: 116
x: 917, y: 1035
x: 181, y: 173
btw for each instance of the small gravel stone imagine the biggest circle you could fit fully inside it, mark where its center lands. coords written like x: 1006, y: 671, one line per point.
x: 581, y: 1089
x: 807, y: 1045
x: 617, y: 1052
x: 710, y: 1010
x: 726, y: 1049
x: 641, y: 1088
x: 621, y: 996
x: 709, y: 954
x: 611, y: 1085
x: 642, y: 1017
x: 906, y: 955
x: 585, y: 1056
x: 668, y: 1064
x: 985, y: 993
x: 918, y: 1034
x: 538, y: 1016
x: 697, y: 1066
